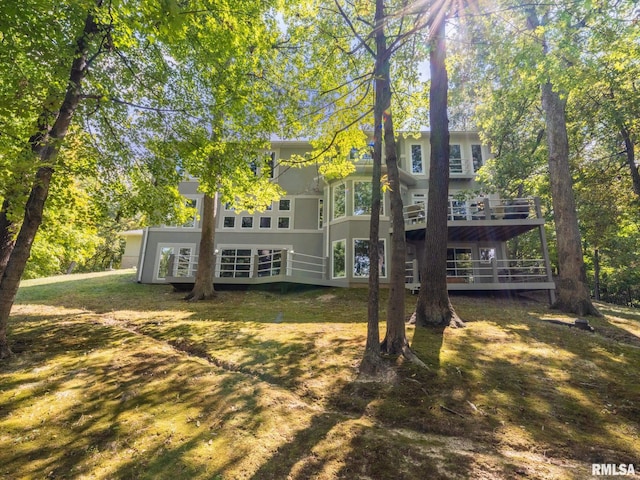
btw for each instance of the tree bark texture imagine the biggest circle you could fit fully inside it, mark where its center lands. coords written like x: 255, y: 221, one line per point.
x: 46, y: 149
x: 371, y: 364
x: 596, y: 274
x: 631, y: 158
x: 203, y: 286
x: 433, y: 305
x: 571, y: 286
x: 6, y: 236
x: 395, y: 341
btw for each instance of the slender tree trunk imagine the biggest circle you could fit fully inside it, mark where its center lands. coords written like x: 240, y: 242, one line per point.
x: 631, y: 158
x: 6, y: 236
x: 596, y: 274
x: 433, y: 306
x: 372, y: 361
x: 395, y: 341
x: 571, y: 286
x: 203, y: 287
x: 46, y: 148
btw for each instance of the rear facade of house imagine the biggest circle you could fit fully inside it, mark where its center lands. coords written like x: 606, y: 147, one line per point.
x: 318, y: 233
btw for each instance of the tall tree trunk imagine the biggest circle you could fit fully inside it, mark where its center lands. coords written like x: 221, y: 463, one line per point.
x: 372, y: 361
x: 46, y: 148
x: 433, y: 306
x: 596, y: 274
x: 631, y: 158
x: 6, y: 236
x: 571, y: 287
x: 395, y: 341
x: 203, y: 287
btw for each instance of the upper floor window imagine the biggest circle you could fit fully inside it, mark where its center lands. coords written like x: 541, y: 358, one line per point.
x: 476, y: 154
x: 284, y: 205
x: 339, y: 201
x: 271, y: 164
x: 362, y: 198
x: 455, y: 158
x: 193, y: 218
x: 417, y: 163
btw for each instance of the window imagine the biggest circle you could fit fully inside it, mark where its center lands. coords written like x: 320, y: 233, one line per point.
x: 459, y: 262
x: 338, y: 264
x: 476, y: 154
x: 417, y: 165
x: 339, y: 198
x: 419, y: 198
x: 487, y: 255
x: 265, y: 222
x: 192, y: 221
x: 182, y: 261
x: 284, y: 205
x: 271, y: 164
x: 247, y: 222
x: 228, y: 207
x: 269, y: 262
x: 361, y: 264
x: 229, y: 222
x: 457, y: 209
x: 174, y: 261
x: 283, y: 222
x: 455, y: 159
x: 164, y: 266
x: 235, y: 263
x: 320, y: 213
x: 362, y: 199
x: 253, y: 165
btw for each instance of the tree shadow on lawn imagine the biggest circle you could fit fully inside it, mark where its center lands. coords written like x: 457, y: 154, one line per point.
x: 124, y: 406
x: 550, y: 388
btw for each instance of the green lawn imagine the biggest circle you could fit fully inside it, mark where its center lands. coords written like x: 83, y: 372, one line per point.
x: 112, y: 379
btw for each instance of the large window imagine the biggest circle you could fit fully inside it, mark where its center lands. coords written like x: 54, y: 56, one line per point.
x: 174, y: 261
x: 361, y: 263
x: 235, y: 262
x: 338, y: 263
x: 339, y: 201
x: 476, y: 154
x: 362, y: 198
x: 455, y: 159
x: 191, y: 203
x: 459, y: 262
x: 417, y: 163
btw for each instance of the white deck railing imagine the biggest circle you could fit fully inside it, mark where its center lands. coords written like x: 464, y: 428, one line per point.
x: 270, y: 264
x: 477, y: 209
x: 489, y: 271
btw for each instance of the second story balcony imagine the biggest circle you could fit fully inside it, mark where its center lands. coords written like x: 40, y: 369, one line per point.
x: 480, y: 219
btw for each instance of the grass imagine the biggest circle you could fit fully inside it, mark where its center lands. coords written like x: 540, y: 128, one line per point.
x: 112, y: 379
